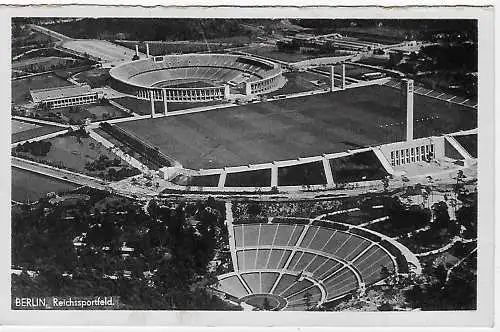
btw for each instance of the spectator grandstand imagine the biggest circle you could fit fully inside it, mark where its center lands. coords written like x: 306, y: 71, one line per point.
x: 178, y: 77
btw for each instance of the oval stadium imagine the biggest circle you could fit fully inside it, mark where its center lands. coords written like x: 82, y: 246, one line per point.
x: 196, y: 77
x: 298, y: 264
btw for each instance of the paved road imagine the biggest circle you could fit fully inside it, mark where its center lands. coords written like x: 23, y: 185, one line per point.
x: 50, y: 32
x: 39, y: 138
x: 42, y: 122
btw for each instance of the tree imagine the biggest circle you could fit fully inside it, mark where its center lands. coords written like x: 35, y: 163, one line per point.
x: 307, y: 299
x: 385, y: 183
x: 459, y: 185
x: 384, y: 272
x: 265, y: 304
x: 440, y: 214
x: 254, y: 209
x: 405, y: 180
x: 385, y: 307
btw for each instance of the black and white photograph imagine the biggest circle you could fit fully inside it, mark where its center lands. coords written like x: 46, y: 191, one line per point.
x: 295, y: 164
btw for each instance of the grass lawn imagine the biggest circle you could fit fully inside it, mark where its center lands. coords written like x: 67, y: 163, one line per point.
x: 355, y: 71
x: 373, y: 61
x: 27, y: 186
x: 29, y: 39
x: 21, y: 88
x: 75, y: 117
x: 69, y: 152
x: 42, y: 63
x: 197, y: 180
x: 289, y: 128
x: 33, y: 132
x: 274, y: 53
x: 96, y: 77
x: 95, y: 112
x: 469, y: 143
x: 364, y: 166
x: 302, y: 174
x: 103, y: 112
x: 46, y: 53
x: 256, y: 178
x: 20, y: 126
x: 300, y: 82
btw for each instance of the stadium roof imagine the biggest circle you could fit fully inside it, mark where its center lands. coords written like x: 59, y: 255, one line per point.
x: 59, y: 92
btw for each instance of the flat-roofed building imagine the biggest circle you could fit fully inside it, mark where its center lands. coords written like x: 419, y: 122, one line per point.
x: 65, y: 96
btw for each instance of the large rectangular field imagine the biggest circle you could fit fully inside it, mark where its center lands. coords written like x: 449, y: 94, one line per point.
x: 289, y: 128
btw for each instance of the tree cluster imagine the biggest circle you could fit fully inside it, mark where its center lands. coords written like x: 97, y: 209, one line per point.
x: 151, y: 29
x: 121, y: 173
x: 37, y: 148
x: 102, y: 163
x: 152, y: 154
x: 402, y: 217
x: 436, y: 293
x: 168, y: 268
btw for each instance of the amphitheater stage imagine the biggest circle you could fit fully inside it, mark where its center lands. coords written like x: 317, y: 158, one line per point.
x: 289, y: 128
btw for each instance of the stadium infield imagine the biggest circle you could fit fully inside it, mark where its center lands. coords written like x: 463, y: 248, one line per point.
x: 297, y: 127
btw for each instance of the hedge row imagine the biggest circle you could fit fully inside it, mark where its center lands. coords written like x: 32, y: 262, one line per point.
x: 151, y: 154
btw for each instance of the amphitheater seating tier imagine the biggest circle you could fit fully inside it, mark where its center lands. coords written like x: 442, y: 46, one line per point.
x: 282, y: 252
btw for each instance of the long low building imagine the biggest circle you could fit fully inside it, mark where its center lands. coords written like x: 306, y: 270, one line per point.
x: 65, y: 96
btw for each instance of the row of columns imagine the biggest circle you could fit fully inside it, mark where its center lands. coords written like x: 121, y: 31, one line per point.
x: 152, y: 101
x: 137, y: 50
x: 164, y: 97
x: 252, y: 88
x: 332, y: 77
x: 186, y: 95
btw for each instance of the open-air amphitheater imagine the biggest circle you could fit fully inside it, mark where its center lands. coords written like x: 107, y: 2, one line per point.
x: 298, y: 264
